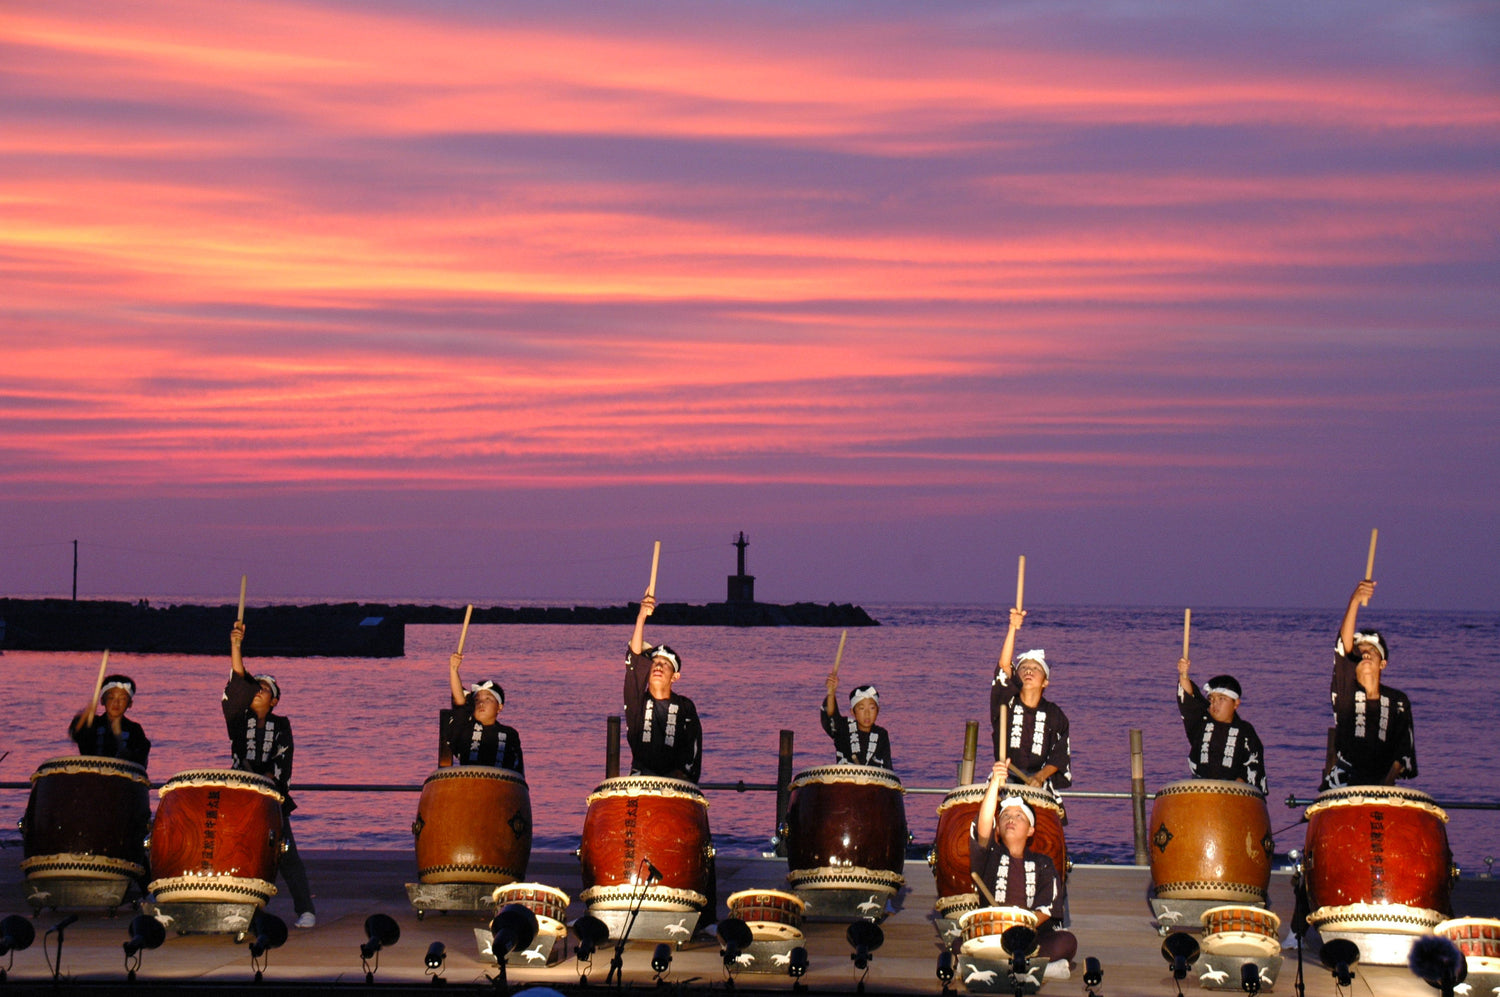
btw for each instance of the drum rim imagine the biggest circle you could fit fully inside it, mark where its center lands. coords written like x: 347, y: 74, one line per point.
x: 1360, y: 796
x: 1438, y: 930
x: 1218, y: 787
x: 493, y: 772
x: 967, y: 916
x: 230, y: 778
x: 785, y: 894
x: 96, y: 764
x: 1035, y: 797
x: 1275, y: 918
x: 631, y: 785
x: 867, y: 774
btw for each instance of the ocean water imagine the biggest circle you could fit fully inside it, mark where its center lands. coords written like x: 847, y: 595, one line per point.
x: 1114, y: 670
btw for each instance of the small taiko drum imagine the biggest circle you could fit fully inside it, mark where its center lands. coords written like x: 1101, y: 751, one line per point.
x: 87, y: 818
x: 1377, y: 859
x: 1211, y: 840
x: 846, y: 829
x: 949, y: 857
x: 1478, y: 938
x: 548, y: 904
x: 771, y: 914
x: 1244, y: 931
x: 473, y: 826
x: 984, y: 928
x: 216, y: 838
x: 632, y: 820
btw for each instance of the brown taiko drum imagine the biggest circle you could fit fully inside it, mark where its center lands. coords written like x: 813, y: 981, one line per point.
x: 770, y: 914
x: 87, y: 818
x: 949, y: 857
x: 1377, y: 859
x: 1211, y: 840
x: 473, y: 826
x: 984, y: 928
x: 846, y: 829
x: 1245, y: 931
x: 635, y: 819
x: 216, y: 838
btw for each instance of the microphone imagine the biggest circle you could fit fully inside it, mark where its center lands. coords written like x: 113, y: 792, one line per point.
x: 63, y: 923
x: 653, y: 874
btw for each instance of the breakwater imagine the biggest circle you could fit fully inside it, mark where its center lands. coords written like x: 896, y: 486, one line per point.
x: 349, y: 629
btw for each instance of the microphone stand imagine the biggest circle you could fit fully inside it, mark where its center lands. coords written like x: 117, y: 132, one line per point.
x: 59, y: 928
x: 617, y: 962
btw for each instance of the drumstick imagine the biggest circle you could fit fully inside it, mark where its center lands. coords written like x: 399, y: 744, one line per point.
x: 1187, y: 626
x: 241, y: 616
x: 655, y: 557
x: 98, y: 684
x: 983, y: 890
x: 840, y: 655
x: 468, y: 611
x: 1370, y: 564
x: 1020, y: 580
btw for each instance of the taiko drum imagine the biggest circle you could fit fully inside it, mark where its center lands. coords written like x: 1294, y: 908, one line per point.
x: 1211, y: 840
x: 983, y: 928
x: 473, y: 826
x: 1376, y: 846
x: 216, y: 838
x: 844, y: 825
x: 1478, y: 938
x: 1235, y: 930
x: 950, y: 848
x: 770, y: 914
x: 632, y: 820
x: 87, y: 818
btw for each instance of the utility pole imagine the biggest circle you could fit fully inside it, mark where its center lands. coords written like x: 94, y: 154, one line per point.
x: 75, y: 570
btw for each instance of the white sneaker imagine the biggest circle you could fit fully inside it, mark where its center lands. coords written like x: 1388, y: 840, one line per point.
x: 306, y: 920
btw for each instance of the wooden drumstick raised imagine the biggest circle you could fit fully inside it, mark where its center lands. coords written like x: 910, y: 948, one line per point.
x: 1187, y: 626
x: 839, y: 657
x: 240, y: 616
x: 88, y: 720
x: 655, y: 559
x: 1370, y: 564
x: 1020, y: 580
x: 468, y: 611
x: 984, y: 891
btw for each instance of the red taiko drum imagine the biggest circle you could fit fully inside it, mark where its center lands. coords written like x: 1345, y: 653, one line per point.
x: 1478, y: 938
x: 1377, y: 854
x: 473, y: 826
x: 634, y: 819
x: 216, y: 838
x: 87, y: 818
x: 983, y: 929
x: 550, y: 905
x: 1211, y: 840
x: 1235, y: 930
x: 846, y: 829
x: 949, y: 857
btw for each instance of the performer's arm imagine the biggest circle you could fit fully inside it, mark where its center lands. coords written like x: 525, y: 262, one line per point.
x: 984, y: 823
x: 455, y: 681
x: 1362, y: 591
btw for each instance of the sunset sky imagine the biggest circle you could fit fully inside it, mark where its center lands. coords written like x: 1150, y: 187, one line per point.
x: 473, y: 301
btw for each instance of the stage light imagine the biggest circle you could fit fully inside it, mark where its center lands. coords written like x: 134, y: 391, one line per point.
x: 437, y: 954
x: 267, y: 931
x: 1340, y: 955
x: 146, y: 932
x: 1438, y: 962
x: 513, y: 928
x: 864, y: 937
x: 1018, y: 941
x: 735, y: 936
x: 16, y: 935
x: 1093, y: 973
x: 382, y: 931
x: 1250, y: 978
x: 796, y: 967
x: 945, y: 969
x: 591, y: 933
x: 661, y: 960
x: 1180, y: 950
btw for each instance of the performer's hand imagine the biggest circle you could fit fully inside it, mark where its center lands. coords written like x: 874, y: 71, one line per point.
x: 1035, y: 781
x: 648, y: 605
x: 454, y: 660
x: 1363, y: 591
x: 1182, y: 668
x: 1017, y: 617
x: 832, y: 683
x: 998, y: 771
x: 236, y: 635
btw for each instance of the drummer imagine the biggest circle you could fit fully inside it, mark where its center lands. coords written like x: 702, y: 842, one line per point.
x: 665, y: 736
x: 1223, y: 744
x: 1038, y: 746
x: 260, y: 741
x: 112, y: 734
x: 1017, y: 876
x: 1375, y: 743
x: 475, y: 736
x: 857, y: 739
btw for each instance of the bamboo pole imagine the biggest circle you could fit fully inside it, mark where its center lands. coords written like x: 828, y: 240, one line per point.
x: 1138, y: 796
x: 971, y: 753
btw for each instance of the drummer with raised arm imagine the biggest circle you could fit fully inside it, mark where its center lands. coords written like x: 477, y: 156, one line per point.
x: 1013, y: 874
x: 111, y: 734
x: 1222, y: 744
x: 662, y: 726
x: 1037, y: 744
x: 857, y: 739
x: 475, y: 735
x: 1374, y: 742
x: 260, y: 741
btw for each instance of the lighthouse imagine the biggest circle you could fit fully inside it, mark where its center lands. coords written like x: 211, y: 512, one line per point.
x: 741, y: 585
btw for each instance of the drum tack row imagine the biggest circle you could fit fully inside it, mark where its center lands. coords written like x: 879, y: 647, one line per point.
x: 1377, y: 865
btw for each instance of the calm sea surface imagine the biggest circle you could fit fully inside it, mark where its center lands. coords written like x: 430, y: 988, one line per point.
x: 366, y: 721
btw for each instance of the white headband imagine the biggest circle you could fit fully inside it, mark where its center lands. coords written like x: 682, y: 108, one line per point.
x: 1016, y: 801
x: 127, y: 686
x: 1039, y: 656
x: 861, y: 694
x: 1222, y: 690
